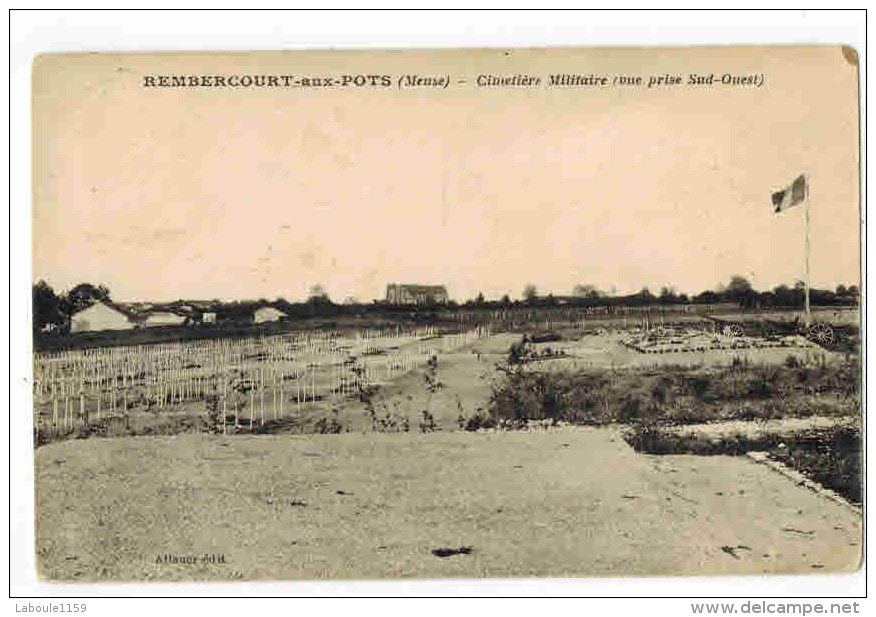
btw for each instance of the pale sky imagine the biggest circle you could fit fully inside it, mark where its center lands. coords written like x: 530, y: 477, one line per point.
x: 246, y: 193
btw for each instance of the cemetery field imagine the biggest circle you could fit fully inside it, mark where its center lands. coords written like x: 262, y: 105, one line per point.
x: 419, y: 379
x: 428, y: 453
x: 223, y: 386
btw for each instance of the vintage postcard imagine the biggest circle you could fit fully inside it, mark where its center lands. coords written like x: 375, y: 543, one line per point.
x: 447, y: 313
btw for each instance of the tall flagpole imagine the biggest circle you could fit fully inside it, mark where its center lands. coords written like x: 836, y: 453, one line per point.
x: 808, y: 316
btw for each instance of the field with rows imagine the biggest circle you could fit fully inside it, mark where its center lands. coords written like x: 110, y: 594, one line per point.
x: 429, y: 450
x: 245, y: 382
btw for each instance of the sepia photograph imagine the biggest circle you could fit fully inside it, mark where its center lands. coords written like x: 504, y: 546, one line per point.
x: 433, y: 314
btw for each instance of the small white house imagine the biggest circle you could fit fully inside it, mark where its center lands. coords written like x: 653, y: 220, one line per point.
x: 267, y: 313
x: 208, y: 318
x: 100, y: 316
x: 163, y: 318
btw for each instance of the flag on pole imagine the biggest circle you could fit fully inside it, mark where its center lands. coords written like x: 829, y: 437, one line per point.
x: 792, y: 195
x: 795, y: 194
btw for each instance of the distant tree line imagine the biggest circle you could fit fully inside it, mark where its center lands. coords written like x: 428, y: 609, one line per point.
x: 738, y: 291
x: 56, y: 310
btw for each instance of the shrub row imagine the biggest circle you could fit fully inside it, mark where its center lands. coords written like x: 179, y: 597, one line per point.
x: 675, y: 395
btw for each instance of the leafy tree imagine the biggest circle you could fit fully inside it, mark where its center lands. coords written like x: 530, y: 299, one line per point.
x: 530, y: 293
x: 506, y: 300
x: 783, y: 296
x: 738, y: 284
x: 706, y: 297
x: 46, y: 306
x: 582, y: 290
x: 83, y: 296
x: 480, y: 298
x: 667, y: 295
x: 739, y: 290
x: 317, y: 294
x: 851, y: 293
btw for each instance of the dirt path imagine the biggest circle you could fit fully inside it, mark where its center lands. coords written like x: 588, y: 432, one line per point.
x: 559, y: 503
x: 762, y: 428
x: 465, y: 387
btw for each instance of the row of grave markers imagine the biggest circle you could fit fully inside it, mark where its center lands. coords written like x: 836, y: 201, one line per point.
x: 73, y: 400
x: 89, y: 391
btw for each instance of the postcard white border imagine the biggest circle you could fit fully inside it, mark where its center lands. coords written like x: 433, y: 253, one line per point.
x: 33, y: 32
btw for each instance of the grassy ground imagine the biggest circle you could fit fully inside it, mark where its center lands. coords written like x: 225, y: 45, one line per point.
x: 148, y: 336
x: 681, y: 394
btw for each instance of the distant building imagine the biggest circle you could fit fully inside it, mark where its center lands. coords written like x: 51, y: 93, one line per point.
x: 162, y: 318
x: 208, y: 318
x: 267, y: 313
x: 100, y: 316
x: 397, y: 293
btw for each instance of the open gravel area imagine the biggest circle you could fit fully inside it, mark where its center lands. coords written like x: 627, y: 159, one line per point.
x: 562, y: 502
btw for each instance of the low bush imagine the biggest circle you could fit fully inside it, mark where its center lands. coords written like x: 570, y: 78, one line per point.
x: 328, y: 426
x: 480, y: 420
x: 674, y: 395
x: 40, y: 437
x: 427, y: 424
x: 214, y: 420
x: 830, y: 456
